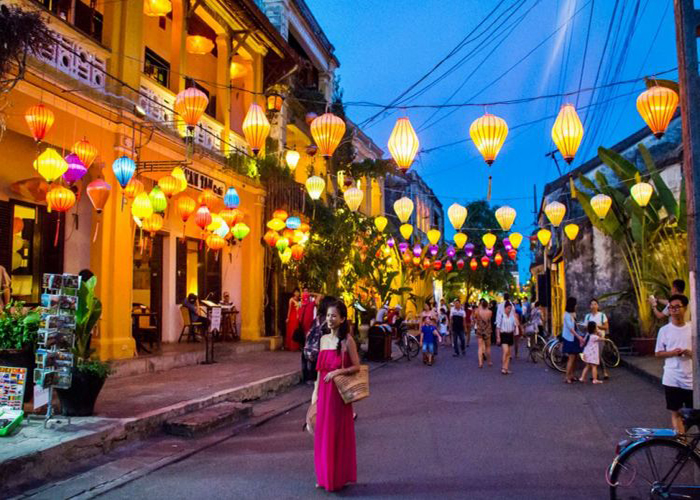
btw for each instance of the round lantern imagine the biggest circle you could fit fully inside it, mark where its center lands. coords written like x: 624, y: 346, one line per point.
x: 293, y: 222
x: 228, y: 216
x: 353, y: 197
x: 240, y: 230
x: 469, y: 249
x: 505, y: 216
x: 506, y: 244
x: 406, y: 257
x: 488, y: 133
x: 451, y: 252
x: 215, y: 242
x: 50, y: 165
x: 403, y: 247
x: 433, y: 249
x: 202, y: 217
x: 489, y: 240
x: 426, y: 263
x: 457, y: 215
x: 190, y: 105
x: 141, y: 207
x: 310, y: 117
x: 555, y: 212
x: 291, y: 157
x: 567, y: 132
x: 437, y: 265
x: 641, y: 193
x: 403, y: 208
x: 157, y: 8
x: 158, y: 200
x: 327, y: 131
x: 208, y: 198
x: 169, y: 185
x: 237, y: 70
x: 153, y: 224
x: 498, y: 259
x: 485, y: 261
x: 390, y: 242
x: 512, y: 254
x: 406, y: 231
x: 276, y: 224
x: 657, y: 106
x: 544, y: 235
x: 231, y: 198
x: 315, y: 186
x: 515, y: 239
x: 601, y: 205
x: 123, y: 168
x: 403, y: 143
x: 40, y: 120
x: 417, y: 250
x: 199, y: 45
x: 571, y: 231
x: 98, y: 192
x: 473, y: 264
x: 449, y: 266
x: 380, y: 223
x: 285, y: 256
x: 76, y: 170
x: 460, y: 264
x: 434, y: 236
x: 297, y: 252
x: 300, y: 237
x: 304, y: 227
x: 489, y: 252
x: 256, y: 128
x: 85, y: 151
x: 271, y: 237
x: 281, y: 244
x: 60, y: 199
x: 179, y: 174
x: 185, y: 207
x: 280, y: 214
x: 460, y: 239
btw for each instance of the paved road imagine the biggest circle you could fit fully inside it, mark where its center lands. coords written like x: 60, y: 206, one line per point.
x: 450, y: 431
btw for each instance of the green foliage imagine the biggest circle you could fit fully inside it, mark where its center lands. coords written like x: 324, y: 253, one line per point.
x: 18, y: 326
x: 87, y: 315
x: 374, y: 169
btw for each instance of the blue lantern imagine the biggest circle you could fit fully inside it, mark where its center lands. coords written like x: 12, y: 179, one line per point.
x: 293, y: 222
x: 232, y: 200
x: 123, y: 168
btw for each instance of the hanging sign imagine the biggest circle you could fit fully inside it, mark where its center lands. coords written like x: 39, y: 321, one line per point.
x: 200, y: 182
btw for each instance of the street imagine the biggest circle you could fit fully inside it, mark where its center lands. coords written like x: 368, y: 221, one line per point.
x: 447, y: 431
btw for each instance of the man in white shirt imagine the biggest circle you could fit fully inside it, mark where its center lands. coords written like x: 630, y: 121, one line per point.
x: 675, y: 344
x: 501, y: 306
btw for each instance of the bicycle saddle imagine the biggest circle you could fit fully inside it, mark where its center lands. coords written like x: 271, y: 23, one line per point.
x: 690, y: 417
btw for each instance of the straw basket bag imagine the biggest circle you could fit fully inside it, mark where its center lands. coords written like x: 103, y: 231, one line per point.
x: 353, y: 388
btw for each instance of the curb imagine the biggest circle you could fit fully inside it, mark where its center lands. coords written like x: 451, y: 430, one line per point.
x: 649, y: 377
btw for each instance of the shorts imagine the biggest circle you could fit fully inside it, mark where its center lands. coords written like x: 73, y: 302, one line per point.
x: 429, y: 347
x: 506, y: 338
x: 677, y: 398
x: 572, y: 346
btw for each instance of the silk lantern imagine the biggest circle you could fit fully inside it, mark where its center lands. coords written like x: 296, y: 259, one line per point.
x: 544, y: 235
x: 489, y: 251
x: 488, y: 133
x: 489, y: 240
x: 485, y: 261
x: 469, y: 249
x: 208, y: 198
x: 567, y: 132
x: 426, y: 264
x: 457, y: 215
x: 40, y: 120
x: 403, y: 143
x: 515, y: 239
x: 169, y: 185
x: 216, y: 222
x: 202, y: 217
x: 506, y: 244
x: 158, y: 200
x: 123, y: 168
x: 390, y: 242
x: 185, y: 207
x: 85, y: 151
x: 460, y: 264
x: 601, y: 205
x: 190, y: 105
x: 256, y: 128
x: 437, y: 265
x: 641, y: 193
x: 353, y: 198
x: 285, y: 256
x: 157, y: 8
x: 271, y: 237
x: 657, y: 106
x: 291, y: 157
x: 512, y: 254
x: 450, y: 252
x: 473, y: 264
x: 460, y: 239
x: 76, y: 170
x: 276, y: 224
x: 555, y: 212
x: 434, y: 236
x: 153, y: 223
x: 297, y: 252
x: 403, y: 208
x: 215, y: 242
x: 403, y: 247
x: 417, y: 250
x: 498, y: 259
x: 433, y: 249
x: 141, y: 207
x: 293, y: 222
x: 98, y: 192
x: 380, y: 223
x: 231, y: 198
x: 199, y: 45
x: 571, y: 231
x: 406, y: 231
x: 505, y: 216
x: 228, y: 216
x: 327, y: 131
x: 281, y: 244
x: 240, y: 230
x: 59, y: 199
x: 280, y: 214
x: 315, y: 186
x: 179, y: 174
x: 50, y: 165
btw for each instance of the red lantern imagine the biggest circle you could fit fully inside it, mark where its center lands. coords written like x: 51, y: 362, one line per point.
x: 485, y: 261
x: 448, y: 266
x: 185, y: 207
x: 59, y: 199
x: 280, y: 214
x: 498, y: 259
x: 40, y: 120
x: 473, y: 264
x: 271, y: 237
x: 460, y: 264
x: 512, y: 253
x: 98, y: 192
x: 297, y: 252
x: 202, y: 217
x: 426, y: 263
x: 437, y: 265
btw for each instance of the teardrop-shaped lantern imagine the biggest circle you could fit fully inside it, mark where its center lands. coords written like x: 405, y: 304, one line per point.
x: 406, y: 231
x: 231, y: 198
x: 327, y: 131
x: 291, y: 157
x: 512, y: 254
x: 489, y: 240
x: 451, y: 252
x: 315, y: 186
x: 179, y: 174
x: 185, y: 207
x: 434, y: 236
x: 641, y: 193
x: 544, y: 235
x: 498, y: 259
x: 123, y: 168
x: 403, y: 208
x: 50, y: 165
x: 488, y: 133
x: 133, y: 189
x: 403, y: 143
x: 85, y: 151
x: 202, y: 217
x: 40, y: 120
x: 555, y: 212
x: 515, y: 239
x: 190, y: 105
x: 485, y: 261
x: 457, y: 215
x: 240, y: 230
x: 567, y: 132
x: 141, y: 207
x: 437, y: 265
x: 297, y: 252
x: 157, y: 8
x: 158, y: 200
x: 473, y: 264
x: 571, y: 231
x: 505, y: 216
x: 601, y: 204
x: 460, y: 239
x: 98, y: 192
x: 657, y: 106
x: 169, y: 185
x: 208, y: 198
x: 76, y: 170
x: 380, y: 223
x: 469, y: 249
x: 353, y: 197
x: 199, y: 45
x: 256, y: 128
x: 152, y: 223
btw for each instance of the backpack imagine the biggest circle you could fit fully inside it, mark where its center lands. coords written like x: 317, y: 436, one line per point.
x: 313, y: 341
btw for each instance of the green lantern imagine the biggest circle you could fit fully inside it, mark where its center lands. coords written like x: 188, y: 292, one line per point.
x: 241, y: 230
x: 158, y: 199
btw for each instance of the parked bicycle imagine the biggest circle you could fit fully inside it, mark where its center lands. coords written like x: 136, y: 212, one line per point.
x: 407, y: 342
x: 657, y: 463
x: 536, y: 344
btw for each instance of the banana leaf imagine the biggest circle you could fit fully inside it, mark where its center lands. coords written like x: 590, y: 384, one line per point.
x: 662, y: 190
x: 621, y: 167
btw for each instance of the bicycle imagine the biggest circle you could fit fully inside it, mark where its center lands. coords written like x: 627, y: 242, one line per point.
x: 547, y: 351
x: 610, y: 354
x: 657, y: 463
x: 557, y: 357
x: 408, y: 343
x: 536, y: 344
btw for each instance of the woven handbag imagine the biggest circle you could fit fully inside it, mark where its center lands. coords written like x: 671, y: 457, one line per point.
x: 355, y: 387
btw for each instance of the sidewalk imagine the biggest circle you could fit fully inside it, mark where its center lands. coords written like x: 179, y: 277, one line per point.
x: 648, y: 367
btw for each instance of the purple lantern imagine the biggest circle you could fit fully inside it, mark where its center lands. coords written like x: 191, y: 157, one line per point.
x: 506, y: 244
x: 434, y: 250
x: 403, y: 246
x: 489, y: 252
x: 451, y: 251
x: 390, y: 242
x: 76, y: 169
x: 469, y: 249
x: 417, y: 250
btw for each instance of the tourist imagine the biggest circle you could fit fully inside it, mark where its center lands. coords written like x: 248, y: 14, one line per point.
x: 518, y: 307
x: 334, y: 433
x: 393, y: 315
x: 506, y: 328
x: 290, y: 342
x: 527, y: 310
x: 428, y: 340
x: 536, y: 318
x: 467, y: 322
x: 382, y: 314
x: 426, y: 313
x: 458, y: 324
x: 675, y: 344
x: 677, y: 288
x: 312, y: 343
x: 602, y: 327
x: 197, y: 313
x: 493, y: 306
x: 591, y: 353
x: 482, y: 322
x: 307, y: 309
x: 573, y: 342
x: 501, y: 306
x: 443, y: 319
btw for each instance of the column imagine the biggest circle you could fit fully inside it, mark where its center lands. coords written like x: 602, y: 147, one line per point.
x: 124, y: 35
x: 223, y: 94
x: 171, y: 323
x: 178, y: 52
x: 252, y: 323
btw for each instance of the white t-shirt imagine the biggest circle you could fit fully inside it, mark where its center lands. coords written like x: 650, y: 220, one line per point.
x: 507, y: 322
x: 591, y: 352
x: 678, y: 371
x: 598, y: 318
x: 499, y: 311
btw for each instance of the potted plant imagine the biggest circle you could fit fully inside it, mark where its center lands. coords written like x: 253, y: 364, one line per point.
x: 18, y: 331
x: 89, y: 373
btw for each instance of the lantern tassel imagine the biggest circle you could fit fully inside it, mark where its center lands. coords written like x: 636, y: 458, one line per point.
x: 488, y: 193
x: 97, y: 228
x: 58, y: 229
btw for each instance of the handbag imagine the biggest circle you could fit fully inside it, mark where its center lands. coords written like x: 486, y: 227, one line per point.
x: 311, y: 418
x: 355, y: 387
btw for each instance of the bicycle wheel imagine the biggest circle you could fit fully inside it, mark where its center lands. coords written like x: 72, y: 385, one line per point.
x: 413, y: 347
x: 657, y: 468
x: 610, y: 354
x: 402, y: 346
x: 547, y: 353
x: 557, y: 357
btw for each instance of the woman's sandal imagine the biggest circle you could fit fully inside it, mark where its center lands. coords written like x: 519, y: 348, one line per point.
x: 596, y: 381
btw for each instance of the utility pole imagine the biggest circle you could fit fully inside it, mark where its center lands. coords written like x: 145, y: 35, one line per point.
x: 687, y: 21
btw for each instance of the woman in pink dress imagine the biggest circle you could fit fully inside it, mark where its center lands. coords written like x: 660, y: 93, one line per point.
x: 334, y: 434
x: 292, y: 321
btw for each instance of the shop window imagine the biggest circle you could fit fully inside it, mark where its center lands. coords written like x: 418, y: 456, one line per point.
x: 147, y: 285
x: 198, y: 271
x: 80, y: 14
x: 156, y: 67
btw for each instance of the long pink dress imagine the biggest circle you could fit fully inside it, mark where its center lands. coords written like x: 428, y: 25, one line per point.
x: 334, y: 435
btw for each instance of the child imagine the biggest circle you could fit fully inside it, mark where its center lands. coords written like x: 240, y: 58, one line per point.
x: 591, y: 353
x: 428, y: 338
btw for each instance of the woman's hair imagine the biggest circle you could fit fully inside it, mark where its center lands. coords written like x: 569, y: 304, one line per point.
x: 507, y: 303
x: 570, y: 305
x: 323, y: 306
x: 483, y: 303
x: 344, y: 328
x: 296, y: 289
x: 537, y: 303
x: 191, y: 297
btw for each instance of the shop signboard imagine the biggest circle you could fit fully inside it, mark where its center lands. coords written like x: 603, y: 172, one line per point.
x: 200, y: 182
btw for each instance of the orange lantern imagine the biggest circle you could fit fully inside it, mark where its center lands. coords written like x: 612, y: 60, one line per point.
x: 59, y: 199
x: 215, y: 242
x: 271, y: 237
x: 229, y: 216
x: 327, y: 131
x: 403, y: 143
x: 297, y: 252
x: 98, y: 192
x: 190, y: 105
x: 256, y: 128
x: 40, y: 120
x: 657, y: 106
x: 485, y: 261
x: 153, y: 224
x: 498, y: 259
x: 133, y: 188
x: 208, y: 198
x: 567, y: 132
x: 305, y: 228
x: 426, y: 263
x: 85, y: 151
x: 473, y: 264
x: 202, y: 217
x: 169, y: 185
x: 280, y: 214
x: 488, y: 133
x: 185, y: 207
x: 199, y: 45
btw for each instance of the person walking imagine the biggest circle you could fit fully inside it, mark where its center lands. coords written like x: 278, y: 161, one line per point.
x: 290, y: 344
x: 591, y: 353
x: 536, y: 319
x: 506, y: 329
x: 573, y: 341
x: 482, y: 321
x: 428, y: 340
x: 458, y: 324
x: 493, y: 306
x: 467, y: 322
x: 307, y: 310
x: 674, y: 343
x: 602, y: 328
x: 335, y: 457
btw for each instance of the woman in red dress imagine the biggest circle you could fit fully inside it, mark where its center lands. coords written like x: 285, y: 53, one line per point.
x: 292, y: 322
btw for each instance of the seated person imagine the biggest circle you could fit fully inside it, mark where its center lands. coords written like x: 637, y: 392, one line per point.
x: 197, y: 313
x: 226, y: 299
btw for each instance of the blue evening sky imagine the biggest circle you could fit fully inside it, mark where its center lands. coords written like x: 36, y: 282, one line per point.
x: 385, y: 46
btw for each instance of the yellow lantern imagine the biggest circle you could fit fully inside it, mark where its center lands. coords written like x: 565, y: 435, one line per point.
x: 641, y: 193
x: 237, y: 70
x: 515, y: 239
x: 601, y: 205
x: 153, y: 223
x: 157, y: 8
x: 555, y: 212
x: 276, y: 224
x: 216, y: 221
x: 380, y: 223
x: 199, y: 45
x: 353, y: 197
x: 488, y: 133
x: 215, y: 242
x: 169, y: 185
x: 489, y: 240
x: 567, y: 132
x: 141, y: 208
x: 406, y: 231
x: 50, y: 165
x: 179, y: 174
x: 460, y: 239
x: 190, y: 105
x: 285, y: 256
x: 457, y: 215
x: 327, y: 131
x: 403, y: 208
x: 544, y: 235
x: 403, y: 143
x: 505, y: 216
x: 256, y: 128
x: 292, y: 158
x: 571, y: 231
x: 433, y: 236
x: 657, y: 106
x: 315, y: 186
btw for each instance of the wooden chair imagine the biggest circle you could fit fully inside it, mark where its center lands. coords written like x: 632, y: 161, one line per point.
x: 144, y: 327
x: 189, y: 327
